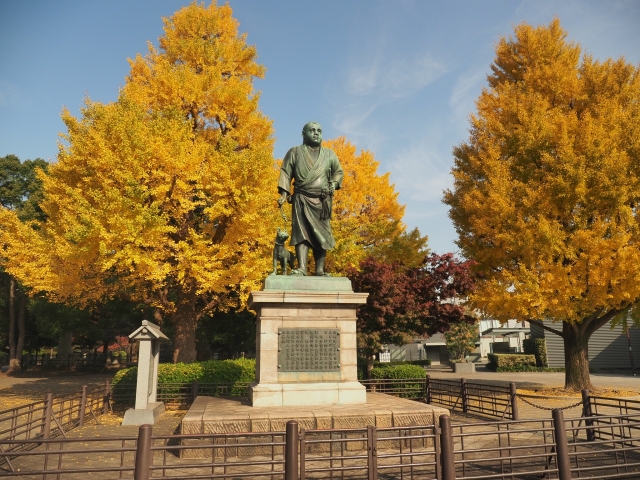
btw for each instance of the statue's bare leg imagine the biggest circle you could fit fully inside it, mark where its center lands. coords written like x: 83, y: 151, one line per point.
x: 302, y: 252
x: 319, y: 255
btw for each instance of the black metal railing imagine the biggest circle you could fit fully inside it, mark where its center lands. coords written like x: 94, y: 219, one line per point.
x: 179, y: 394
x: 602, y: 447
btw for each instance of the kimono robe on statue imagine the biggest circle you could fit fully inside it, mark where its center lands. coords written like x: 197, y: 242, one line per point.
x: 311, y: 201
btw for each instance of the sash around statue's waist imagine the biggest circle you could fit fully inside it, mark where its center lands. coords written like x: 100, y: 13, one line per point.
x: 311, y: 193
x: 323, y: 194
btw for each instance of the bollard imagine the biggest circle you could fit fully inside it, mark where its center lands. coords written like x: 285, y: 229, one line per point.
x: 290, y: 451
x: 586, y: 412
x: 562, y: 448
x: 446, y: 448
x: 47, y: 414
x: 83, y: 405
x: 463, y: 394
x: 513, y: 391
x: 143, y: 453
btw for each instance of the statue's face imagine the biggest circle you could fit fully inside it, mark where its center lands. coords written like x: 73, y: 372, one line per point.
x: 312, y: 134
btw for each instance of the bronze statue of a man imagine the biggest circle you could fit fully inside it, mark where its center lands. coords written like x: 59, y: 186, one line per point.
x: 317, y: 174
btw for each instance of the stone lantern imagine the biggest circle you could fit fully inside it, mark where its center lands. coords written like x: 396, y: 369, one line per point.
x: 147, y: 408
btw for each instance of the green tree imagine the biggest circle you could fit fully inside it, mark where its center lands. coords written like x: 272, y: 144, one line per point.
x: 461, y: 339
x: 20, y: 192
x: 547, y: 188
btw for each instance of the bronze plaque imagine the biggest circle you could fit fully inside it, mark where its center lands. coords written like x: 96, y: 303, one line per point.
x: 308, y: 350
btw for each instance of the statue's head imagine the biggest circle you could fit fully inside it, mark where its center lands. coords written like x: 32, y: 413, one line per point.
x: 312, y: 134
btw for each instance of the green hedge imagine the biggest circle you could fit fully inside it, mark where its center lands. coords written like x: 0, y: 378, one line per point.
x: 362, y: 365
x: 397, y: 371
x: 537, y: 347
x: 212, y: 371
x: 507, y: 362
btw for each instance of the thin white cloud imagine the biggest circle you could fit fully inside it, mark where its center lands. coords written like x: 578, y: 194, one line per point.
x: 390, y: 78
x: 9, y: 93
x: 381, y: 81
x: 421, y: 174
x: 464, y: 93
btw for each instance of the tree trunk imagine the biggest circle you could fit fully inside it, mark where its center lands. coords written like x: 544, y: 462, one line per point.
x: 107, y: 353
x: 184, y: 344
x: 22, y: 311
x: 65, y: 343
x: 370, y: 359
x: 576, y: 357
x: 12, y: 327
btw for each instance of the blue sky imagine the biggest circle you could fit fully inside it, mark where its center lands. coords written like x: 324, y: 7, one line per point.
x: 398, y: 78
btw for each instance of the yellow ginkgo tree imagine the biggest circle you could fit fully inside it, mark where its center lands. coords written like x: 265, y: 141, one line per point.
x: 546, y: 193
x: 166, y: 196
x: 366, y: 213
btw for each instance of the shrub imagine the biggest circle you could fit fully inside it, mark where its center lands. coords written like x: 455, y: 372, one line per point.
x: 537, y: 347
x: 398, y: 371
x: 362, y: 365
x: 511, y: 362
x: 212, y: 371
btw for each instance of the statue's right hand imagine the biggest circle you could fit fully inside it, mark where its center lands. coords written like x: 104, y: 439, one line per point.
x: 282, y: 199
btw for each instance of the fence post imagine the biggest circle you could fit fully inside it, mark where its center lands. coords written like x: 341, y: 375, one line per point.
x: 513, y: 392
x: 562, y: 447
x: 446, y: 448
x: 372, y: 452
x: 47, y: 414
x: 194, y: 390
x: 83, y: 405
x: 291, y: 451
x: 463, y: 395
x: 107, y: 397
x: 428, y: 389
x: 586, y: 412
x: 143, y: 453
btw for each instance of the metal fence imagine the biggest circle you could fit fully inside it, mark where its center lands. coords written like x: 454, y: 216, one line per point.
x: 468, y: 397
x: 178, y: 394
x: 598, y: 446
x: 458, y: 395
x: 53, y: 417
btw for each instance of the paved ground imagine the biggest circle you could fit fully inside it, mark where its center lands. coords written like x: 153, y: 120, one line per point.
x: 37, y: 384
x: 537, y: 379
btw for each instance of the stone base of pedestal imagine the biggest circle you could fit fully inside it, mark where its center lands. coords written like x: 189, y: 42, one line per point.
x: 211, y: 415
x: 306, y: 342
x: 143, y: 416
x: 298, y: 394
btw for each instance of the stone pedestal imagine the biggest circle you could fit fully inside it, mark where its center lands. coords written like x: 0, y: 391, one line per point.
x: 312, y: 310
x: 146, y: 407
x: 233, y: 415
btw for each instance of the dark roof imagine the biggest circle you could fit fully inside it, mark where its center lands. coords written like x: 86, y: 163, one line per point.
x: 505, y: 331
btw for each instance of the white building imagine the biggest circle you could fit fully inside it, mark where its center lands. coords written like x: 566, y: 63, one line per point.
x: 496, y: 337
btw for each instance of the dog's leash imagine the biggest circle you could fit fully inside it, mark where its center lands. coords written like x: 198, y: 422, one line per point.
x: 282, y: 214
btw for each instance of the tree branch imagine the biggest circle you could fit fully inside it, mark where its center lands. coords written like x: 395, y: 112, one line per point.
x: 207, y: 307
x: 597, y: 323
x: 544, y: 327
